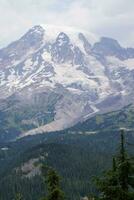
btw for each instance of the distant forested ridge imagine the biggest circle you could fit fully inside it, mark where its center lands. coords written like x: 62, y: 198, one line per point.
x: 78, y: 154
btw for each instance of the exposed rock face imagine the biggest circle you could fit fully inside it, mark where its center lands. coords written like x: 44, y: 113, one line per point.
x: 52, y: 78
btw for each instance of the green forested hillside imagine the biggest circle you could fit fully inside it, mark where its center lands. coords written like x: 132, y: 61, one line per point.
x: 77, y: 158
x: 78, y: 154
x: 16, y: 117
x: 109, y: 121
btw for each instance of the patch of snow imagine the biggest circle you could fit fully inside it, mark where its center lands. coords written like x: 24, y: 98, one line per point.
x: 60, y: 42
x: 12, y: 54
x: 4, y: 149
x: 47, y: 56
x: 95, y: 110
x: 28, y: 64
x: 75, y: 91
x: 51, y: 31
x: 67, y: 74
x: 116, y: 62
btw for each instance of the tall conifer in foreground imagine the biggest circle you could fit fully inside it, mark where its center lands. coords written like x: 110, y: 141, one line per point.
x: 52, y: 180
x: 118, y: 183
x: 18, y: 196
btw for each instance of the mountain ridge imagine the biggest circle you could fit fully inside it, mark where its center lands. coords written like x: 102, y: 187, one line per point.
x: 51, y: 79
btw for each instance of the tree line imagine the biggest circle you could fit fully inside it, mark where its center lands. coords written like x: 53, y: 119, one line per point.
x: 116, y: 183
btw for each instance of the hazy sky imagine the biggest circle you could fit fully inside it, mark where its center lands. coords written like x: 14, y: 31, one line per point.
x: 112, y: 18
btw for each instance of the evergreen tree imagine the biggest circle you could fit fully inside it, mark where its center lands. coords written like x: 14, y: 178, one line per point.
x: 118, y: 183
x: 18, y: 196
x: 108, y: 185
x: 53, y: 185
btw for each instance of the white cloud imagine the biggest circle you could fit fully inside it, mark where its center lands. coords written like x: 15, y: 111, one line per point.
x: 112, y: 18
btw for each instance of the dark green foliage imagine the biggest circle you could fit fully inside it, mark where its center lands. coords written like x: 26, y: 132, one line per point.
x: 117, y: 184
x: 53, y: 185
x: 109, y: 121
x: 77, y: 157
x: 18, y: 196
x: 18, y: 117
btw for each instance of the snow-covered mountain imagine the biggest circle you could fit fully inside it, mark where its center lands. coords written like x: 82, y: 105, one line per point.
x: 53, y: 77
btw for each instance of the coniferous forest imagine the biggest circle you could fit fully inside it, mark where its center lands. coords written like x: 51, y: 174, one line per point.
x: 67, y: 100
x: 94, y: 165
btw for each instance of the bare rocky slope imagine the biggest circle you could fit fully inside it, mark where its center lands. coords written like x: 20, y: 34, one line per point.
x: 53, y: 77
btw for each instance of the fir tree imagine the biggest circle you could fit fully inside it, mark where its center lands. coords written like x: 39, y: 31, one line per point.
x: 53, y: 185
x: 118, y: 183
x: 18, y: 196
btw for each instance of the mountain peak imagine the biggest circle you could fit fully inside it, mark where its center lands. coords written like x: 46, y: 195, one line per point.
x: 62, y: 39
x: 110, y: 41
x: 72, y: 32
x: 110, y: 47
x: 35, y: 31
x: 54, y: 73
x: 37, y: 28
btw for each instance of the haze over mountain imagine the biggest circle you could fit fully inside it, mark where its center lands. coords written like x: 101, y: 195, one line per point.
x: 54, y: 77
